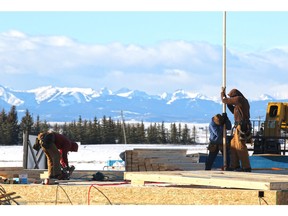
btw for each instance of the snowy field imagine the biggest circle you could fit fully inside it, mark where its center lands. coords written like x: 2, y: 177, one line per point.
x: 90, y: 157
x: 95, y: 157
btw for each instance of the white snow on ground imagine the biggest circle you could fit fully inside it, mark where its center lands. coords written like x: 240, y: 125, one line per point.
x: 95, y: 157
x: 90, y: 157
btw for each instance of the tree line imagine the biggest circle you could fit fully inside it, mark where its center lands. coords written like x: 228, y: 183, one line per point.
x: 96, y: 131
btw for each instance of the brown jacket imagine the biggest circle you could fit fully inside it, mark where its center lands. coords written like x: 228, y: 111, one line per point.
x: 237, y: 104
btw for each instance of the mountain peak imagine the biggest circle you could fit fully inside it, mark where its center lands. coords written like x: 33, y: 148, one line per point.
x: 43, y: 93
x: 9, y: 98
x: 66, y: 104
x: 266, y: 97
x: 105, y: 92
x: 181, y: 94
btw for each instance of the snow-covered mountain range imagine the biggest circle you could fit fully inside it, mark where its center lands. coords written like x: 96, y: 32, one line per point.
x: 55, y: 104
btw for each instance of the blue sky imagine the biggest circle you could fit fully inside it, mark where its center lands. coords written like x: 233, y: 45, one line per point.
x: 152, y: 51
x: 245, y: 30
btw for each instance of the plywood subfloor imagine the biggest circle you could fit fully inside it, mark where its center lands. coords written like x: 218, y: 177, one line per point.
x: 161, y: 188
x: 196, y: 187
x: 223, y: 179
x: 100, y: 193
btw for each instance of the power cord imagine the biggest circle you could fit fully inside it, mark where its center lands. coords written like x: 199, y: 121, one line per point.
x: 261, y: 198
x: 58, y: 186
x: 92, y: 186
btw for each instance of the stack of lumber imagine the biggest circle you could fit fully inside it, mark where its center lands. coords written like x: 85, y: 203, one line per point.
x: 160, y: 160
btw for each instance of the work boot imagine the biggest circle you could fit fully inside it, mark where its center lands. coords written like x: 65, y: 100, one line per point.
x: 243, y: 170
x: 71, y: 169
x: 239, y: 169
x: 63, y: 176
x: 247, y: 170
x: 233, y: 169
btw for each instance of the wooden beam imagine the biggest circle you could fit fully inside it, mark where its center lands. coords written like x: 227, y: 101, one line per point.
x: 215, y: 178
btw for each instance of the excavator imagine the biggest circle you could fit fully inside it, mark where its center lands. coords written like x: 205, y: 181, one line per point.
x: 272, y: 136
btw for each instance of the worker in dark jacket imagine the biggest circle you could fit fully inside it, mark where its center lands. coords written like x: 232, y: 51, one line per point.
x: 56, y: 147
x: 64, y: 145
x: 239, y: 106
x: 216, y: 127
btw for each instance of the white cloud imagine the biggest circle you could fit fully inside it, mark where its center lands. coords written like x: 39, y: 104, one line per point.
x: 14, y: 33
x: 176, y: 73
x: 167, y: 66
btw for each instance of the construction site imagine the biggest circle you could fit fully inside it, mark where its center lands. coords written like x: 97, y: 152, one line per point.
x: 161, y: 176
x: 154, y: 176
x: 151, y: 177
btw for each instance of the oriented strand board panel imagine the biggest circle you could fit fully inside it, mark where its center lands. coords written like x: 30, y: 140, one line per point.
x: 96, y: 193
x: 224, y: 179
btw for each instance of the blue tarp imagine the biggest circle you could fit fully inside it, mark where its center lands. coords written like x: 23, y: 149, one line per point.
x: 256, y: 161
x: 113, y: 162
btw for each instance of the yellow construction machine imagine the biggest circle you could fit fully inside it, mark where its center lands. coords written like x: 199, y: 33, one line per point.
x: 271, y: 138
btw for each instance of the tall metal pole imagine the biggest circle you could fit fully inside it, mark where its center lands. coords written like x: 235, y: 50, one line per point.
x: 224, y: 86
x: 123, y: 127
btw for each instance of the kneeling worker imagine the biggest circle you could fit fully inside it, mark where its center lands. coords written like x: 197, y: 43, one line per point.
x: 56, y: 147
x: 216, y: 139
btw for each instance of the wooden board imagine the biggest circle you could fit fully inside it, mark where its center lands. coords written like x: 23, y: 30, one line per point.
x: 160, y: 160
x: 223, y: 179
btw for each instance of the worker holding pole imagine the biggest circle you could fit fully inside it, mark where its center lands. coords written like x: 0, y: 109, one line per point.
x: 224, y: 87
x: 240, y: 108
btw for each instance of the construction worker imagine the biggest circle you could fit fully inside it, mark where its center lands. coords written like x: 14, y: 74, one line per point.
x: 56, y: 147
x: 239, y: 106
x: 216, y: 139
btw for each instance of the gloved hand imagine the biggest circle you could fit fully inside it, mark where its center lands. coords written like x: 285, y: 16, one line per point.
x: 223, y: 94
x: 224, y: 115
x: 37, y: 145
